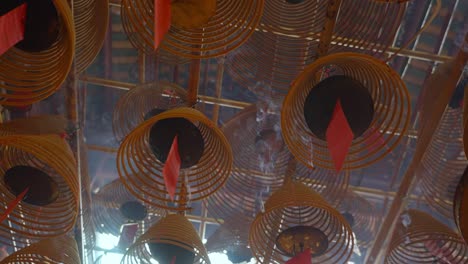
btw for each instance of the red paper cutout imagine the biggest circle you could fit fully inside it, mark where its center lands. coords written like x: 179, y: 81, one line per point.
x: 127, y: 235
x: 339, y: 136
x: 173, y: 260
x: 172, y: 168
x: 162, y: 20
x: 12, y: 28
x: 302, y: 258
x: 13, y: 205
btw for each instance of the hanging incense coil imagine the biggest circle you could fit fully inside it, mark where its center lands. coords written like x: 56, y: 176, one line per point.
x: 29, y: 77
x: 230, y: 26
x: 141, y: 171
x: 288, y: 37
x: 460, y: 206
x: 419, y: 238
x: 296, y: 218
x: 46, y: 165
x: 136, y: 105
x: 91, y: 22
x: 172, y: 236
x: 465, y: 122
x: 387, y: 124
x: 231, y: 237
x: 55, y: 250
x: 252, y: 180
x: 362, y: 216
x: 443, y: 164
x: 114, y: 206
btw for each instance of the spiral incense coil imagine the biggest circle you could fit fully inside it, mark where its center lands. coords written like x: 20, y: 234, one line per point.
x: 297, y: 206
x: 231, y: 238
x: 141, y: 172
x: 172, y: 235
x: 57, y: 250
x: 419, y: 238
x: 443, y: 164
x: 465, y: 123
x: 91, y: 22
x: 45, y: 165
x: 251, y: 181
x: 114, y: 206
x: 29, y: 77
x: 229, y: 28
x: 362, y: 216
x: 389, y: 121
x: 132, y: 107
x: 460, y: 206
x: 288, y: 39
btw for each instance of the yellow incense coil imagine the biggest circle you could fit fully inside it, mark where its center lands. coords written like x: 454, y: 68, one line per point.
x: 391, y: 103
x: 297, y: 206
x: 91, y: 22
x: 62, y: 249
x: 54, y: 210
x: 29, y: 77
x: 232, y: 24
x: 177, y: 235
x: 419, y: 238
x: 132, y: 107
x: 141, y: 171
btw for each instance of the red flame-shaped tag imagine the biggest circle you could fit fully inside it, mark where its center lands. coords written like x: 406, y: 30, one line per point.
x: 162, y: 20
x: 339, y: 136
x: 12, y: 28
x: 172, y: 168
x: 302, y: 258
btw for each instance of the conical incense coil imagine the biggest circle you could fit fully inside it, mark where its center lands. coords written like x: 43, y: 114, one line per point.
x: 443, y: 164
x: 115, y: 206
x: 260, y: 164
x: 245, y: 192
x: 232, y: 239
x: 419, y: 238
x: 141, y: 171
x: 288, y: 39
x: 388, y: 123
x: 29, y: 77
x: 460, y: 211
x: 55, y: 250
x: 295, y: 206
x: 362, y: 216
x: 91, y: 22
x: 230, y: 26
x: 45, y: 165
x: 173, y: 236
x: 136, y: 105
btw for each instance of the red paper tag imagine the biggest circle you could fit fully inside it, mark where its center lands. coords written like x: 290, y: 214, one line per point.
x: 13, y: 205
x: 339, y: 136
x: 12, y: 28
x: 172, y: 168
x: 302, y: 258
x: 127, y: 235
x: 162, y: 20
x: 173, y: 260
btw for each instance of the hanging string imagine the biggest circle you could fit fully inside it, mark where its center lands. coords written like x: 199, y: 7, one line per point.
x: 436, y: 11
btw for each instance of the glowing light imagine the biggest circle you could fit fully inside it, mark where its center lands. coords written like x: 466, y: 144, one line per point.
x: 106, y: 241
